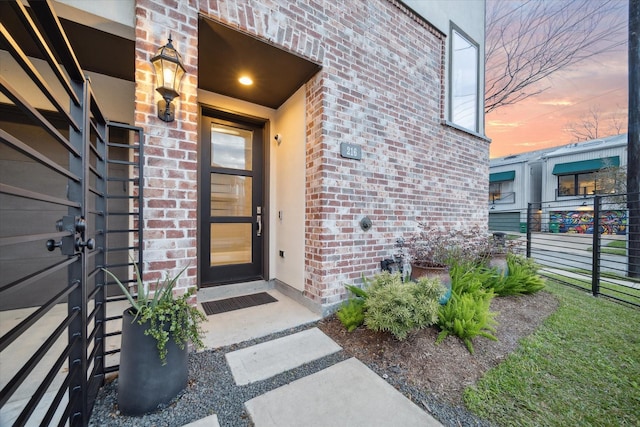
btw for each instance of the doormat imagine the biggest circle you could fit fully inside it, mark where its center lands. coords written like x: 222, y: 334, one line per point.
x: 236, y: 303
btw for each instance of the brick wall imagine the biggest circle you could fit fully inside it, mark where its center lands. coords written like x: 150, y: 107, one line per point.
x: 170, y: 190
x: 380, y: 87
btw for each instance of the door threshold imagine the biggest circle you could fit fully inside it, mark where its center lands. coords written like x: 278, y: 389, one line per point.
x: 233, y: 290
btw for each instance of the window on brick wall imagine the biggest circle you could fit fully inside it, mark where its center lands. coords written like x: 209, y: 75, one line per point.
x: 464, y: 80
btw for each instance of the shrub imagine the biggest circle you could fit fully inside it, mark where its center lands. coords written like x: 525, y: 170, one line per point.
x: 361, y: 293
x: 438, y: 247
x: 467, y: 316
x: 351, y: 314
x: 468, y: 276
x: 522, y: 278
x: 400, y: 308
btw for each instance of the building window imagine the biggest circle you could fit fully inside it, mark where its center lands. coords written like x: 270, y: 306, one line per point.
x: 501, y: 192
x: 464, y: 81
x: 495, y: 191
x: 583, y: 184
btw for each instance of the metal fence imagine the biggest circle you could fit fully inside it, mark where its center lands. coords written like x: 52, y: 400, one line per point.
x: 70, y: 205
x: 591, y: 243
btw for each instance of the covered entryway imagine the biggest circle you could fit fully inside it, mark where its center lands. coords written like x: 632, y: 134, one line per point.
x: 238, y: 169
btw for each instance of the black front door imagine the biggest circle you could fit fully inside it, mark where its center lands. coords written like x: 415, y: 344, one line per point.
x: 232, y: 216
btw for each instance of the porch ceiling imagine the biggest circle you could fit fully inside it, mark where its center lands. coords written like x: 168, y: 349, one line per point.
x: 225, y: 54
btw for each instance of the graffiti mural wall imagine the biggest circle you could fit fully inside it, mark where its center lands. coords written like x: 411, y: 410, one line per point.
x: 611, y: 222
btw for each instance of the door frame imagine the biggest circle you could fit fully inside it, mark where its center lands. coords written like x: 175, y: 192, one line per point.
x: 233, y: 116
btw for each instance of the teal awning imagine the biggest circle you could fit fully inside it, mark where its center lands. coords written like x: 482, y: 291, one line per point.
x: 585, y: 165
x: 502, y: 176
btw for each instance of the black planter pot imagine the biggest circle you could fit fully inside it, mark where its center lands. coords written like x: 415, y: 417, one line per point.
x: 143, y: 382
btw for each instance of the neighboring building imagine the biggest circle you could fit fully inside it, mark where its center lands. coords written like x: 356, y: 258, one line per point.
x: 377, y: 106
x: 560, y: 183
x: 573, y: 174
x: 514, y: 182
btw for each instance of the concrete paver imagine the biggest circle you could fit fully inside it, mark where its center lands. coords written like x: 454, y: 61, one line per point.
x: 345, y: 394
x: 270, y: 358
x: 210, y: 421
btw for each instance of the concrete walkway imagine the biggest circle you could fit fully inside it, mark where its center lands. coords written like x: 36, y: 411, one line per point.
x: 271, y: 358
x: 347, y: 393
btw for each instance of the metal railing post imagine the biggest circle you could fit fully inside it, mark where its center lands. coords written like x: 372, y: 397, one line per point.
x: 529, y: 221
x: 595, y: 263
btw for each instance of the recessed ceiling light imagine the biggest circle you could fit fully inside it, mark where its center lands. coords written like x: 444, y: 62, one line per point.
x: 245, y: 80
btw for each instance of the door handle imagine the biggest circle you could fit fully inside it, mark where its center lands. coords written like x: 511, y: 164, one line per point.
x: 259, y: 223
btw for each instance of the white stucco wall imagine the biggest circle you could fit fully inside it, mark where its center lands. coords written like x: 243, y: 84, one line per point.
x: 288, y: 160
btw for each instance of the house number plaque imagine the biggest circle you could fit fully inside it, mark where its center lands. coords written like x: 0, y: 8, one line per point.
x: 350, y: 151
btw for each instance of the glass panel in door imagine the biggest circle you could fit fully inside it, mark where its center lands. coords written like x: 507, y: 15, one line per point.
x: 231, y: 200
x: 231, y: 195
x: 231, y: 245
x: 231, y: 147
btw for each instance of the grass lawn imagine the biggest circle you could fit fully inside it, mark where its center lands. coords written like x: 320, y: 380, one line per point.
x: 615, y: 247
x: 624, y: 293
x: 581, y: 367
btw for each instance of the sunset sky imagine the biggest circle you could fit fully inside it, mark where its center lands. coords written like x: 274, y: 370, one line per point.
x: 540, y: 121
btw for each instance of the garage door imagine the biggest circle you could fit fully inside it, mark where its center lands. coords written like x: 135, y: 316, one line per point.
x: 504, y: 221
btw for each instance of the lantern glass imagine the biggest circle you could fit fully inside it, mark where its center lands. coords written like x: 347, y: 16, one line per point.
x: 169, y: 71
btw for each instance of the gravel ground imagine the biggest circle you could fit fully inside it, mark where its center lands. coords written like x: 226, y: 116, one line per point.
x: 211, y: 390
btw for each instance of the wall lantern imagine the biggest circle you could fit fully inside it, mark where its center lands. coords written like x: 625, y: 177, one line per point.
x: 169, y: 72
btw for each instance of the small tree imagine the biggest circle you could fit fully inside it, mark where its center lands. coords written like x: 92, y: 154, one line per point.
x: 612, y: 179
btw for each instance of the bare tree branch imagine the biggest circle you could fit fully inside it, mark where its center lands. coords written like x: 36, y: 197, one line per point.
x: 596, y: 124
x: 618, y: 121
x: 528, y: 41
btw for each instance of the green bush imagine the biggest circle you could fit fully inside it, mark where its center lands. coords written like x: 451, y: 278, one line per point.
x: 399, y: 308
x: 522, y: 278
x: 351, y: 314
x: 470, y: 277
x: 467, y: 316
x: 361, y: 293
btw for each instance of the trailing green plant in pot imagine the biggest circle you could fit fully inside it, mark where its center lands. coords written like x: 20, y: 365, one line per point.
x: 156, y: 331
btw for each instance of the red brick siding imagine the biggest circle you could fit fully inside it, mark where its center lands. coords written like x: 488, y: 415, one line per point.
x: 170, y: 182
x: 381, y: 87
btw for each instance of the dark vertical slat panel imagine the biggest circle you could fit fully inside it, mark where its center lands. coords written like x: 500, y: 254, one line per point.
x: 77, y: 272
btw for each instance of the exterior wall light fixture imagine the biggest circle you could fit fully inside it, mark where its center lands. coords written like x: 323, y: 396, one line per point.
x: 169, y: 73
